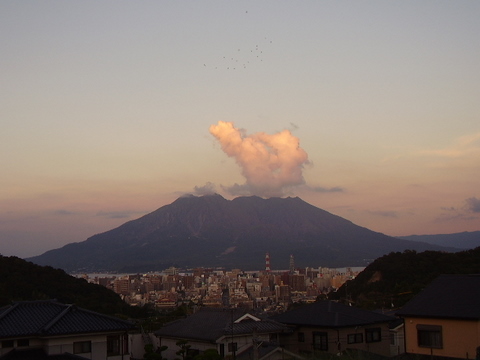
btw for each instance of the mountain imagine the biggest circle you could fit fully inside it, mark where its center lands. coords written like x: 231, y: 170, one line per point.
x: 462, y: 240
x: 21, y: 280
x: 212, y: 231
x: 393, y: 279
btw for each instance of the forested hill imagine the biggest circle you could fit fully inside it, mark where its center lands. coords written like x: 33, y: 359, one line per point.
x: 393, y: 279
x: 23, y: 280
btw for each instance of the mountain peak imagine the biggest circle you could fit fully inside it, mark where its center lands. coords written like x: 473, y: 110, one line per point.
x: 210, y: 230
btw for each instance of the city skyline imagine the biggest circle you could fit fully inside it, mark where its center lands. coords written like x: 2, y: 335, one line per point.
x: 107, y: 111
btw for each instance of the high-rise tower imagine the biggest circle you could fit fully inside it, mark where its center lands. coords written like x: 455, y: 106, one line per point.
x: 292, y: 264
x: 267, y: 262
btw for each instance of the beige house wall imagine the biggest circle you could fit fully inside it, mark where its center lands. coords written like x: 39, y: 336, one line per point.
x: 64, y: 344
x: 338, y: 340
x: 460, y: 337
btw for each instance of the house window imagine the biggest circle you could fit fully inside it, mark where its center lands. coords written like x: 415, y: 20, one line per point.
x: 113, y: 345
x: 301, y: 337
x: 232, y: 347
x: 320, y: 341
x: 373, y: 335
x: 355, y: 338
x: 393, y: 338
x: 23, y: 342
x: 7, y: 344
x: 430, y: 336
x: 80, y: 347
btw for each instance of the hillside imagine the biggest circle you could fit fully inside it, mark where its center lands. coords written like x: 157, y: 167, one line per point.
x: 395, y: 278
x: 462, y: 240
x: 21, y: 280
x: 215, y: 232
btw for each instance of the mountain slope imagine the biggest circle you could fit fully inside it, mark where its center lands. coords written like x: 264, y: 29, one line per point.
x: 212, y: 231
x: 22, y: 280
x: 393, y: 279
x: 463, y: 240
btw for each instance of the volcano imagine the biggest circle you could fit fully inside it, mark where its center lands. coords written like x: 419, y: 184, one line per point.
x: 211, y: 231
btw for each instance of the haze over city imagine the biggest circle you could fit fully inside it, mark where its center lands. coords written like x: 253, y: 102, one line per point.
x: 110, y: 110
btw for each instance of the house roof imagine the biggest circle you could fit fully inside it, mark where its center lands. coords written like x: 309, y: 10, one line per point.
x: 210, y: 324
x: 249, y: 326
x: 448, y: 296
x: 39, y: 354
x: 266, y: 350
x: 49, y: 317
x: 330, y: 314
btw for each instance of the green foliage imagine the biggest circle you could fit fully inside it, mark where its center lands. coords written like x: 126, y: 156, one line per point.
x: 184, y: 349
x: 209, y: 354
x: 396, y: 278
x: 21, y: 280
x: 151, y: 354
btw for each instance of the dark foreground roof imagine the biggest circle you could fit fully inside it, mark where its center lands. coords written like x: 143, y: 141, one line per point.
x: 209, y: 324
x: 39, y: 354
x: 49, y: 318
x: 448, y: 296
x: 331, y: 315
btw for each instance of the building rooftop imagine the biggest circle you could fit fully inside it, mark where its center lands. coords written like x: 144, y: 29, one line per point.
x: 209, y: 324
x: 39, y: 354
x: 330, y: 314
x: 448, y: 296
x: 49, y: 317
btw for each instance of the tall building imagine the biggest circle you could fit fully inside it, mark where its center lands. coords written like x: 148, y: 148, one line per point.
x: 121, y: 286
x: 292, y: 265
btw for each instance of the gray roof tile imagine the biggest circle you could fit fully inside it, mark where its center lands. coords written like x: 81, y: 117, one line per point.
x: 209, y: 324
x: 46, y: 318
x: 448, y: 296
x: 331, y: 315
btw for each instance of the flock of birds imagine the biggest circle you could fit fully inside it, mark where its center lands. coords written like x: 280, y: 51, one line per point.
x: 242, y: 58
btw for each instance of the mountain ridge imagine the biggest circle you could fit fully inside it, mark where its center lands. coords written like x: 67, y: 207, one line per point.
x: 212, y: 231
x: 462, y: 240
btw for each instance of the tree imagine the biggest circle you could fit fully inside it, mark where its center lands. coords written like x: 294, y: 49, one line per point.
x: 209, y: 354
x: 184, y: 349
x: 151, y: 354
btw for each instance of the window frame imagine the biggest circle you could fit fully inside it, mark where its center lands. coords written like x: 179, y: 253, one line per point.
x: 232, y: 347
x: 113, y: 345
x: 373, y: 335
x: 321, y: 345
x: 23, y: 342
x: 356, y: 338
x: 301, y: 336
x: 430, y: 336
x: 82, y: 347
x: 7, y: 344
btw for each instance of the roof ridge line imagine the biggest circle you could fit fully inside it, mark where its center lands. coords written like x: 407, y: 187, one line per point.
x: 57, y: 318
x: 9, y: 310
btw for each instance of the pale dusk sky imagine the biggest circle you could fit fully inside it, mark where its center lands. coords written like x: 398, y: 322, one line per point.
x: 106, y: 109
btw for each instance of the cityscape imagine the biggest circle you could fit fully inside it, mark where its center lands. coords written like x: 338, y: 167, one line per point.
x: 265, y: 290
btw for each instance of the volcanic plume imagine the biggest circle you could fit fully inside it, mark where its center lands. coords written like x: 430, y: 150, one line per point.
x: 270, y: 163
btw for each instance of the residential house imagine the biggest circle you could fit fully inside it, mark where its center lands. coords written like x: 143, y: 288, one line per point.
x: 231, y: 332
x: 330, y: 327
x: 48, y: 329
x: 444, y: 319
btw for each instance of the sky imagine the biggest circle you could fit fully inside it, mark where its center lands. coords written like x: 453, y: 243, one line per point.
x: 109, y: 110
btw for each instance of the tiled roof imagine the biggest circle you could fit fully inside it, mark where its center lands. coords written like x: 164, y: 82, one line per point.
x: 39, y: 354
x: 46, y: 318
x: 250, y: 326
x: 266, y: 350
x: 209, y: 324
x: 448, y: 296
x: 206, y: 324
x: 331, y: 315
